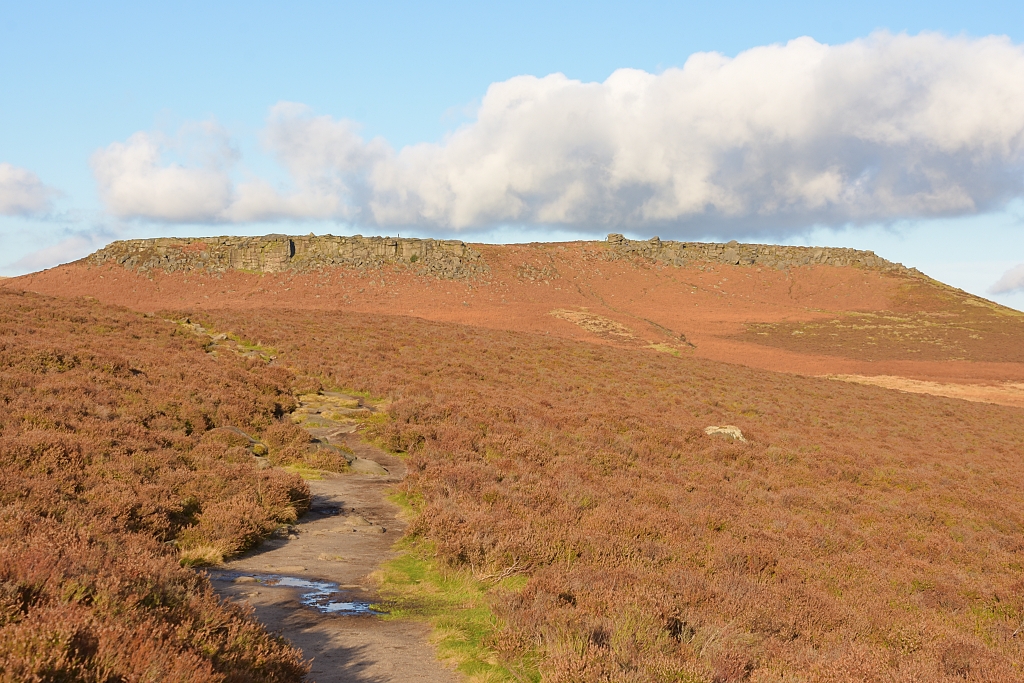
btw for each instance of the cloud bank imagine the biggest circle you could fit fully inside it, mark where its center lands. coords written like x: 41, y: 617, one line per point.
x: 779, y: 137
x: 1011, y: 281
x: 22, y: 193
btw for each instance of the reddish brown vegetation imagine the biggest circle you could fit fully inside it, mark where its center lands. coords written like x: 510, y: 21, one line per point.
x: 861, y: 534
x: 107, y: 461
x: 737, y: 314
x: 927, y: 321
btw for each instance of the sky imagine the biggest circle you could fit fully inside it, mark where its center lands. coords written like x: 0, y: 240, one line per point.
x: 895, y: 127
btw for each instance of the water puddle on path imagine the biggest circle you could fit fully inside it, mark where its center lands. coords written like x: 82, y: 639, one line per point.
x: 324, y: 596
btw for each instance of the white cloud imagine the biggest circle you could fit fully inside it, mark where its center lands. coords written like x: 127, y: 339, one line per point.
x: 72, y: 247
x: 1011, y: 281
x: 326, y: 160
x: 134, y: 182
x: 22, y: 193
x: 781, y: 136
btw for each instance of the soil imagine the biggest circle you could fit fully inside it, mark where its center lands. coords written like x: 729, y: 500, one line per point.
x: 326, y: 545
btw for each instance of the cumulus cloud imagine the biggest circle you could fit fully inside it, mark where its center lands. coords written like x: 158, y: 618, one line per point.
x: 22, y: 193
x: 326, y: 160
x: 878, y: 129
x: 134, y: 181
x: 1011, y: 281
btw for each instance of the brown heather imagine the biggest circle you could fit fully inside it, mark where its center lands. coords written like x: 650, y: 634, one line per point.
x: 860, y: 535
x: 110, y: 469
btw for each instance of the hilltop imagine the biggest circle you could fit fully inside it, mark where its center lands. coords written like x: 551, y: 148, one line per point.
x: 812, y: 311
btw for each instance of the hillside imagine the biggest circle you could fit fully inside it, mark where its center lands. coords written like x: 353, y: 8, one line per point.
x: 551, y: 405
x: 803, y: 310
x: 115, y: 465
x: 857, y: 534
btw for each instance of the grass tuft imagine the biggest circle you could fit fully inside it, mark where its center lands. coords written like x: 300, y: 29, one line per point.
x: 201, y: 556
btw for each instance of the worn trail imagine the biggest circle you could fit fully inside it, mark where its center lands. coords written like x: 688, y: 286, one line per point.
x: 349, y: 531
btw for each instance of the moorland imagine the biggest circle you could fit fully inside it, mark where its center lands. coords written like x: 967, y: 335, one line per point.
x: 550, y: 404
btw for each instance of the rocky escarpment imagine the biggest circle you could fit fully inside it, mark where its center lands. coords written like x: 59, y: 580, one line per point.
x: 448, y: 259
x: 734, y: 253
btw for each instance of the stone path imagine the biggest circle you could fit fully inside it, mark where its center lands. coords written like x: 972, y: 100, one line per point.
x: 349, y: 531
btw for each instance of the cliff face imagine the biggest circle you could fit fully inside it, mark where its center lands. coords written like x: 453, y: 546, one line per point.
x: 448, y: 259
x: 734, y: 253
x: 445, y: 259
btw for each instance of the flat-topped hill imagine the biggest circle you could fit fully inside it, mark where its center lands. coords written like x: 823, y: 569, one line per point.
x: 809, y: 310
x: 450, y: 259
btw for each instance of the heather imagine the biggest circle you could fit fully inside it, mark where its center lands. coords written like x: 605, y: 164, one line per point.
x: 859, y: 534
x: 114, y: 469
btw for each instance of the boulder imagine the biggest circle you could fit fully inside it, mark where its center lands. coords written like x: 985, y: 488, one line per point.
x: 730, y: 432
x: 364, y: 466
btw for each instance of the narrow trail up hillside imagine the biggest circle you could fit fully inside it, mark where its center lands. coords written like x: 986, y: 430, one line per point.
x: 310, y: 583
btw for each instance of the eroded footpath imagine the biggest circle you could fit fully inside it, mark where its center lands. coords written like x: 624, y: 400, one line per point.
x: 349, y: 531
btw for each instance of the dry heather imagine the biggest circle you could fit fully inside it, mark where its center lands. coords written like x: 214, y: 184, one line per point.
x: 928, y: 321
x: 112, y: 468
x: 812, y: 320
x: 860, y: 534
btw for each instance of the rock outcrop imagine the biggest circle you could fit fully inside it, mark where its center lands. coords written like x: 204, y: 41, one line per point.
x: 734, y: 253
x: 447, y: 259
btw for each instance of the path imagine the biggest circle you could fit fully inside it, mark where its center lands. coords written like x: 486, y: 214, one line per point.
x: 349, y: 531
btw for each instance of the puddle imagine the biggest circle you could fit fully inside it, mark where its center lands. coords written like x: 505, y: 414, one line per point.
x: 323, y: 596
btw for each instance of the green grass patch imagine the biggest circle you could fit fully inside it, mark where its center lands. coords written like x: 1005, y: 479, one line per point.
x: 305, y: 471
x: 665, y: 348
x: 416, y: 586
x: 348, y: 391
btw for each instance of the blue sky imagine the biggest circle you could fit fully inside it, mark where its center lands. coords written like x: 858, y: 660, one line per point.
x: 200, y: 81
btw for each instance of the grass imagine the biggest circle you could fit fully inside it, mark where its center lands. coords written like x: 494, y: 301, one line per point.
x: 305, y: 471
x: 416, y: 586
x: 201, y: 556
x: 929, y: 321
x: 665, y: 348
